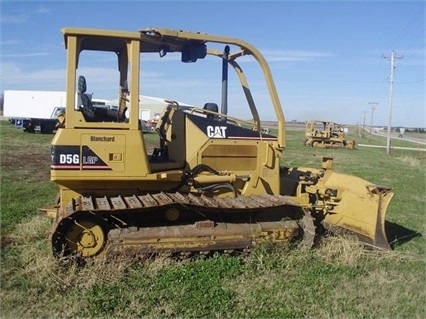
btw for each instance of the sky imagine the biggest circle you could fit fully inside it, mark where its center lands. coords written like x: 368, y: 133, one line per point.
x: 330, y: 59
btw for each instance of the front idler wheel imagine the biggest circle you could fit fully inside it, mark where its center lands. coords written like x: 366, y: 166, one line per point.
x: 83, y: 236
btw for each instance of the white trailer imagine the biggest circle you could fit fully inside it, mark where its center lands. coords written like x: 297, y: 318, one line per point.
x: 32, y: 110
x: 32, y: 104
x: 36, y: 111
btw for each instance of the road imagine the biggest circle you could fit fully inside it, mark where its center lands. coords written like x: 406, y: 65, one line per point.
x: 417, y: 141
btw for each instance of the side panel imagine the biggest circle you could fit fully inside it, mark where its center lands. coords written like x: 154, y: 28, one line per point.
x: 103, y: 151
x: 234, y: 157
x: 252, y: 156
x: 79, y: 155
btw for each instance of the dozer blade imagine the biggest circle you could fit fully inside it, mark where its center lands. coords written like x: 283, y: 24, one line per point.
x: 358, y: 207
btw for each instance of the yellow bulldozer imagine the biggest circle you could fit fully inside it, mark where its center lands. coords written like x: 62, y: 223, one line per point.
x: 214, y: 181
x: 325, y: 134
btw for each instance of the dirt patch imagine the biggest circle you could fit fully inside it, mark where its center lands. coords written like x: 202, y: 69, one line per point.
x: 5, y: 241
x: 27, y: 166
x: 25, y: 160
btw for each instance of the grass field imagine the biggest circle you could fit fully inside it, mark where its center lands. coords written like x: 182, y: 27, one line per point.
x: 338, y: 279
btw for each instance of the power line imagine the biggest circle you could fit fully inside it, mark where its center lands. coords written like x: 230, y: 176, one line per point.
x: 404, y: 31
x: 415, y: 46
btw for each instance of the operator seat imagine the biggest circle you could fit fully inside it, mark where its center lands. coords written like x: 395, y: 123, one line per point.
x: 88, y: 110
x: 211, y: 107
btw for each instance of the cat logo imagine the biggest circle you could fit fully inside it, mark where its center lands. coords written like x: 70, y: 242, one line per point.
x: 216, y: 131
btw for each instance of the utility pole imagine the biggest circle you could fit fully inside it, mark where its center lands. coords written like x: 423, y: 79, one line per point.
x: 392, y: 60
x: 363, y: 123
x: 372, y: 105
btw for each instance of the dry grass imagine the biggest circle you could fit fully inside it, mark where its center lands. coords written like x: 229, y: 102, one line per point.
x: 42, y: 278
x: 341, y: 250
x: 340, y: 278
x: 411, y: 161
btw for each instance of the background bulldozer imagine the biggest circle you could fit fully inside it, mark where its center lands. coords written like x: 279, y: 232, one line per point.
x: 326, y: 135
x: 214, y: 181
